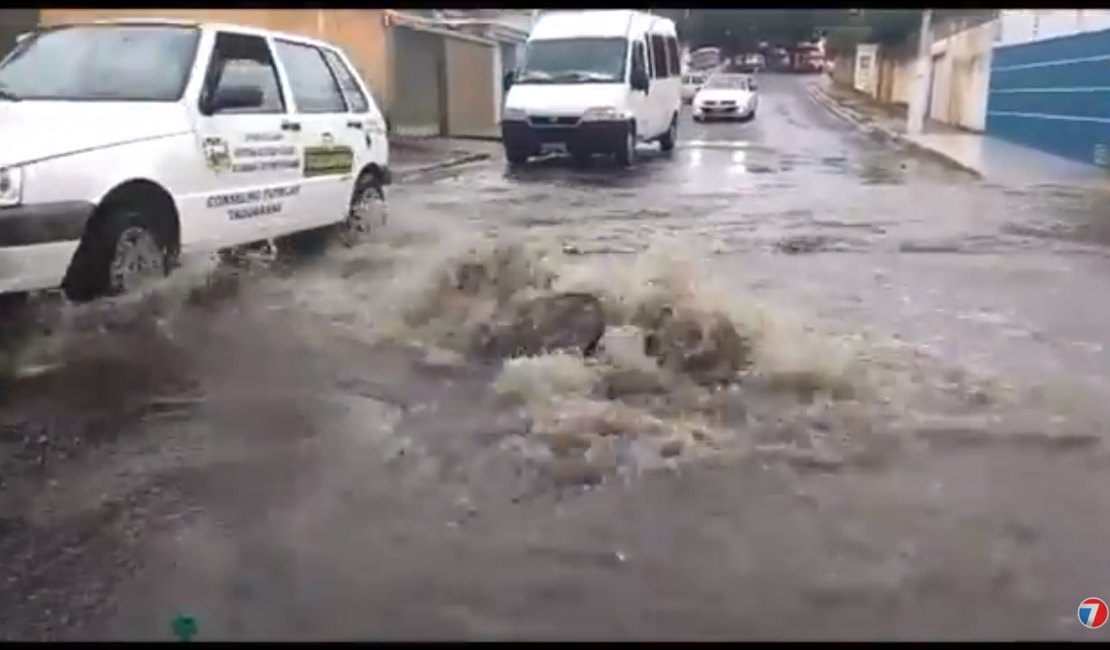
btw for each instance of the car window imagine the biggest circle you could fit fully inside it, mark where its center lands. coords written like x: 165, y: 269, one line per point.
x: 639, y: 61
x: 242, y: 60
x: 102, y: 62
x: 310, y: 80
x: 658, y: 56
x: 356, y: 99
x: 673, y: 56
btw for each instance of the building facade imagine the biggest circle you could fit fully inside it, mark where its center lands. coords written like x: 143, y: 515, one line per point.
x: 1050, y: 82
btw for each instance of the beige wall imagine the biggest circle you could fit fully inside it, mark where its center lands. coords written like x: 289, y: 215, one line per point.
x: 360, y: 32
x: 962, y: 76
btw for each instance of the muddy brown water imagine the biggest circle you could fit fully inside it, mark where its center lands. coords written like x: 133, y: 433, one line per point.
x: 914, y: 452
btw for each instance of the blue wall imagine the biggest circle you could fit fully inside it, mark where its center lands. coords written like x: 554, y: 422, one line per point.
x: 1054, y: 95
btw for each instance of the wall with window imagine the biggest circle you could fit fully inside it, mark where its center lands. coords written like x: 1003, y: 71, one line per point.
x: 360, y: 32
x: 1052, y: 93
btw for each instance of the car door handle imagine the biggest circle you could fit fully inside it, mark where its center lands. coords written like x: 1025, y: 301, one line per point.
x: 290, y: 126
x: 354, y: 124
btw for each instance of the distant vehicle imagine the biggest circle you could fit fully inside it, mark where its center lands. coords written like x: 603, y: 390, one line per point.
x: 587, y: 85
x: 705, y: 58
x: 726, y: 96
x: 129, y: 142
x: 691, y: 84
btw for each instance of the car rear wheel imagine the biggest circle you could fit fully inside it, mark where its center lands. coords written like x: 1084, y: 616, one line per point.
x: 366, y: 213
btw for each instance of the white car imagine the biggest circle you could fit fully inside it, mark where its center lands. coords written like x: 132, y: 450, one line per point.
x: 594, y: 82
x: 129, y: 143
x: 691, y: 84
x: 726, y: 96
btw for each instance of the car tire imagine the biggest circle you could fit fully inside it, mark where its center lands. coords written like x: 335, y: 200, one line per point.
x: 667, y: 142
x: 366, y: 213
x: 516, y: 156
x: 626, y: 155
x: 122, y: 250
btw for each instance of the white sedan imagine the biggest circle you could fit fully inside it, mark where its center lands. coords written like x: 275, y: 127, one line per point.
x: 727, y: 96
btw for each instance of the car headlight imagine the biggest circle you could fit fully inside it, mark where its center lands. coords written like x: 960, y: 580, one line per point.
x: 513, y: 114
x: 11, y: 186
x: 602, y: 113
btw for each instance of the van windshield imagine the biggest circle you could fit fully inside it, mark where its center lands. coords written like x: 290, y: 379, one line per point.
x: 101, y: 62
x: 574, y: 60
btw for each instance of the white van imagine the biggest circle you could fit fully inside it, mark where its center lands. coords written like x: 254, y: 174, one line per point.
x: 594, y: 82
x: 127, y: 143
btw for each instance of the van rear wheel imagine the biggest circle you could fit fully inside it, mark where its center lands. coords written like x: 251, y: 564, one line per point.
x: 667, y: 142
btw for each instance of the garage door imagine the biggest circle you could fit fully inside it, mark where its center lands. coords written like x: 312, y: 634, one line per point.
x: 416, y: 103
x: 471, y: 93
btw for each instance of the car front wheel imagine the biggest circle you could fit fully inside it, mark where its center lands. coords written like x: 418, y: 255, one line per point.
x: 123, y: 251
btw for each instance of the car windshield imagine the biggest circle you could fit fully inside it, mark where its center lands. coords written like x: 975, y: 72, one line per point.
x: 724, y: 81
x: 574, y: 60
x: 109, y: 63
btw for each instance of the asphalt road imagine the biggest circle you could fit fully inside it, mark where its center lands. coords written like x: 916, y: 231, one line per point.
x: 296, y: 454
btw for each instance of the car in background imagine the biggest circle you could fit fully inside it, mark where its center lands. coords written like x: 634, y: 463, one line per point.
x: 726, y: 96
x: 691, y: 84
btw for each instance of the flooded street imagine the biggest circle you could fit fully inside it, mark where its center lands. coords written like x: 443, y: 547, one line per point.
x: 914, y: 449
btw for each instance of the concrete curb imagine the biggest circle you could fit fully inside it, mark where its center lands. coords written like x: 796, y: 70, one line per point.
x: 407, y: 174
x: 856, y: 119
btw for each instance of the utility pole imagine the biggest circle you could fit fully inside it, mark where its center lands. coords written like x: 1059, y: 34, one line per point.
x: 915, y: 117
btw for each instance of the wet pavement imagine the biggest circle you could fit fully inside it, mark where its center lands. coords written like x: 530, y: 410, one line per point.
x: 302, y: 451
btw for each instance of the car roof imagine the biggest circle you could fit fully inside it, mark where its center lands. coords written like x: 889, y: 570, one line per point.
x: 208, y: 26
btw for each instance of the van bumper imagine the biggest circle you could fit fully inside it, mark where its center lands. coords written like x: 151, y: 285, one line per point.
x: 585, y: 137
x: 37, y: 243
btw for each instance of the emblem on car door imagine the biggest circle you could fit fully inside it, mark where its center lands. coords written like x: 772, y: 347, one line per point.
x: 216, y: 154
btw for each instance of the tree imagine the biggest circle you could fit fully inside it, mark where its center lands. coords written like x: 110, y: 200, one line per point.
x: 741, y: 30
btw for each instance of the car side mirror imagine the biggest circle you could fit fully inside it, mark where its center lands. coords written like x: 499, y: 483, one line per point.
x: 753, y: 85
x: 507, y: 80
x: 639, y: 80
x: 236, y: 97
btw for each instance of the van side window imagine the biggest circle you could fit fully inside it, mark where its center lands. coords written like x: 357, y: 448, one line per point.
x: 311, y: 81
x: 639, y: 61
x: 242, y: 60
x: 659, y: 56
x: 355, y: 97
x: 673, y: 56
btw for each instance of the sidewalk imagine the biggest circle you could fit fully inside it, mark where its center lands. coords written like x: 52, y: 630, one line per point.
x: 409, y: 157
x: 985, y: 157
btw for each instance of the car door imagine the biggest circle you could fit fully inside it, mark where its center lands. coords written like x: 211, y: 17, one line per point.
x: 657, y: 98
x: 638, y: 99
x: 252, y: 179
x: 319, y: 113
x: 364, y: 127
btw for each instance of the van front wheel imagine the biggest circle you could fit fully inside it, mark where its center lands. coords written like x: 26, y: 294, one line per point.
x: 516, y: 156
x: 626, y: 155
